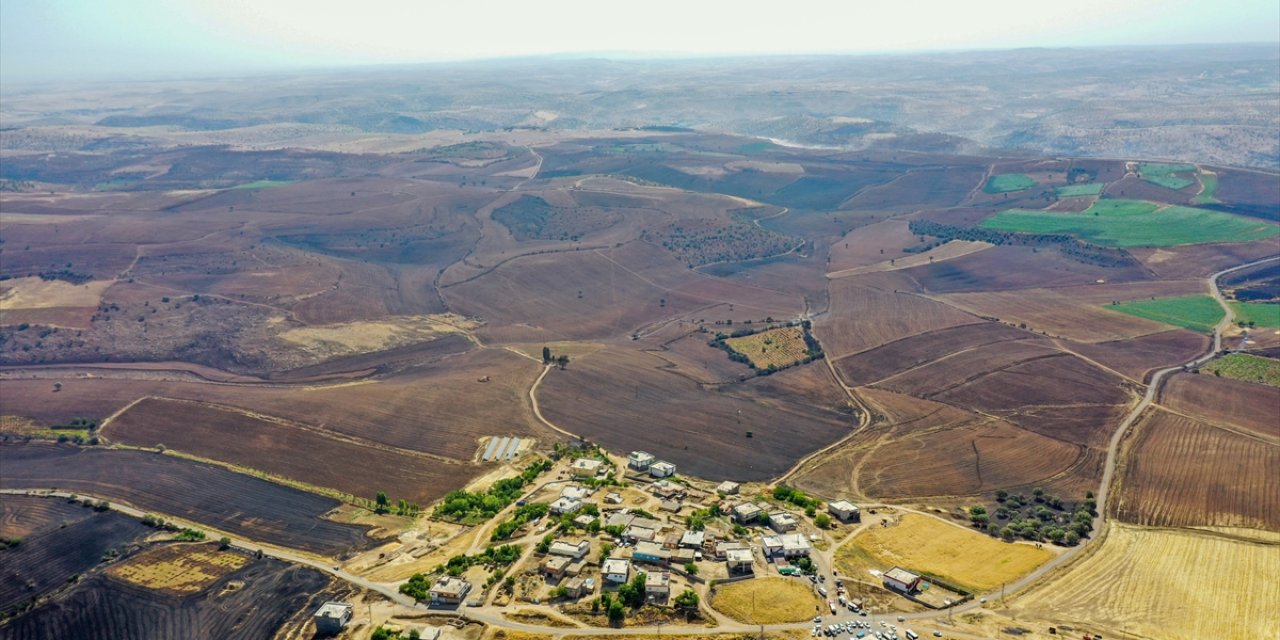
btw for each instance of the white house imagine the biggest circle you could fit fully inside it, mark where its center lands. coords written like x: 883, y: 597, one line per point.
x: 844, y: 510
x: 586, y: 467
x: 575, y: 492
x: 570, y: 549
x: 693, y: 539
x: 782, y: 522
x: 901, y: 580
x: 788, y: 545
x: 564, y: 505
x: 739, y: 560
x: 616, y: 570
x: 727, y: 488
x: 657, y: 586
x: 662, y: 469
x: 640, y: 460
x: 747, y: 512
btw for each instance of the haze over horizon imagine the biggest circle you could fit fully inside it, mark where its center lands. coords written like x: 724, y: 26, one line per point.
x: 118, y: 39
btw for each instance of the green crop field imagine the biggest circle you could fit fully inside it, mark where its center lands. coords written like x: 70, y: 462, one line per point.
x: 1210, y: 182
x: 1076, y: 190
x: 1007, y: 182
x: 1198, y: 313
x: 1243, y: 366
x: 1134, y: 223
x: 1261, y: 314
x: 1163, y: 174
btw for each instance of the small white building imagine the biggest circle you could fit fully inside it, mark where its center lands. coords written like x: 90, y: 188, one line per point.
x: 575, y: 492
x: 657, y: 586
x: 787, y: 545
x: 616, y: 570
x: 662, y: 469
x: 747, y: 512
x: 739, y: 560
x: 640, y: 460
x: 564, y: 505
x: 332, y: 617
x: 570, y: 549
x: 844, y: 510
x: 586, y: 467
x: 448, y: 590
x: 693, y: 539
x: 901, y: 580
x: 613, y: 498
x: 783, y: 522
x: 728, y: 488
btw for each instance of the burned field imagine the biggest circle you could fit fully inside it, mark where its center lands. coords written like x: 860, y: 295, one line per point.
x: 255, y: 601
x: 238, y: 504
x: 48, y: 557
x: 1183, y: 472
x: 23, y: 516
x: 285, y: 449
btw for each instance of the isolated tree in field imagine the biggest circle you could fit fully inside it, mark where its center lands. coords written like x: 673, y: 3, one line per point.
x: 381, y: 502
x: 562, y: 361
x: 546, y: 355
x: 224, y: 543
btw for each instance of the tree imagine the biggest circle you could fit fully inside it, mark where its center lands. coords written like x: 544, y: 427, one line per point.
x: 691, y: 569
x: 546, y: 355
x: 562, y: 361
x: 224, y: 543
x: 382, y: 502
x: 617, y: 613
x: 688, y: 599
x: 822, y: 521
x: 545, y: 544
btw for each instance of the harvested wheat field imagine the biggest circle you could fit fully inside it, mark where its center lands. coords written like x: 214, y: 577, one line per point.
x: 1182, y: 472
x: 1159, y: 583
x: 951, y: 552
x: 1221, y: 400
x: 178, y: 568
x: 871, y: 310
x: 766, y: 601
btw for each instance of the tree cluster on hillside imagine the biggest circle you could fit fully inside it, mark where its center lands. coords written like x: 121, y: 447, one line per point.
x: 796, y: 497
x: 702, y: 244
x: 1041, y: 517
x: 473, y: 507
x: 1070, y: 246
x: 531, y: 511
x: 495, y: 557
x: 813, y: 349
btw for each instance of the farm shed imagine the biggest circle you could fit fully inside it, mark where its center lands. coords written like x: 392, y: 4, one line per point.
x: 901, y: 580
x: 844, y: 510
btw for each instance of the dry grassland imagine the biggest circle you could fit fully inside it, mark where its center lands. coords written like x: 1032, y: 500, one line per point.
x: 365, y: 337
x: 957, y: 554
x: 781, y: 347
x: 37, y: 293
x: 178, y: 568
x: 948, y: 251
x: 766, y: 601
x: 1160, y: 583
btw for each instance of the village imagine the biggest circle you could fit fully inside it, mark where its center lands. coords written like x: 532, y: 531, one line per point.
x: 600, y: 540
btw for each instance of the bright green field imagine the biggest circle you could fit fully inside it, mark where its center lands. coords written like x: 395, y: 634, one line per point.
x: 263, y: 184
x: 1198, y: 313
x: 1243, y: 366
x: 1261, y: 314
x: 1007, y: 182
x: 1170, y: 182
x: 1210, y: 182
x: 1075, y: 190
x: 1134, y: 223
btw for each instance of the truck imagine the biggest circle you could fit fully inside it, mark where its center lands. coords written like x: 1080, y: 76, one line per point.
x: 911, y: 635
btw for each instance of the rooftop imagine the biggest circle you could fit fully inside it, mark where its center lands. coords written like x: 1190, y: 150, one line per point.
x: 334, y: 609
x: 843, y: 505
x: 901, y: 575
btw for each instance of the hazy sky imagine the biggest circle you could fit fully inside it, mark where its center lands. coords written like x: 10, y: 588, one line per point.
x: 139, y: 37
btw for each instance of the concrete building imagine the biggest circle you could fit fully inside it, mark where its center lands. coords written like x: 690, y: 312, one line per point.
x: 564, y: 505
x: 332, y: 617
x: 666, y: 489
x: 639, y: 533
x: 739, y: 561
x: 448, y: 591
x: 579, y: 587
x: 640, y: 460
x: 650, y: 552
x: 693, y: 539
x: 783, y: 522
x: 723, y: 549
x: 586, y: 467
x: 575, y: 492
x: 657, y: 586
x: 575, y: 550
x: 662, y: 469
x: 901, y: 580
x: 844, y: 510
x: 613, y: 498
x: 727, y: 488
x: 555, y: 566
x: 620, y: 519
x: 747, y: 512
x: 787, y: 545
x: 616, y: 570
x: 584, y: 520
x: 683, y: 556
x: 670, y: 506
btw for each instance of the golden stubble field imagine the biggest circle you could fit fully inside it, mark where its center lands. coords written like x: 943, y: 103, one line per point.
x: 1162, y: 583
x: 957, y: 554
x: 766, y: 600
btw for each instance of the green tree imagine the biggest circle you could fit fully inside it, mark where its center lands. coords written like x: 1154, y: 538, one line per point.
x: 688, y: 599
x: 546, y: 355
x: 691, y: 568
x: 617, y: 612
x: 224, y: 543
x: 822, y: 521
x: 381, y: 502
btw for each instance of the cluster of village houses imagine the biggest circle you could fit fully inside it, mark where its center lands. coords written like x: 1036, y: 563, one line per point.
x: 657, y: 548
